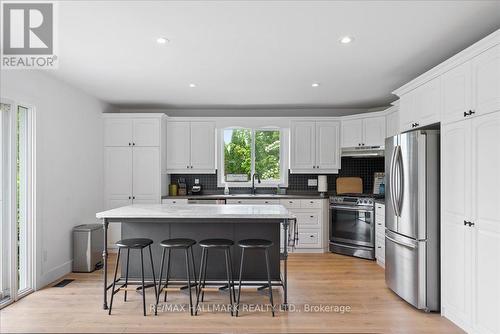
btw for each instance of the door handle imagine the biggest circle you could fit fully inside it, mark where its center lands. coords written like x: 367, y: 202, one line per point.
x: 400, y: 243
x: 391, y: 182
x: 401, y: 183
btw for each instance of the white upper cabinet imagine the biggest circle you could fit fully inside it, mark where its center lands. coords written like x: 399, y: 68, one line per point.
x: 202, y: 145
x: 369, y: 131
x: 421, y: 106
x: 127, y: 130
x: 118, y: 131
x: 191, y: 147
x: 472, y: 88
x: 146, y: 132
x: 303, y: 144
x: 352, y: 132
x: 374, y: 131
x: 457, y: 93
x: 327, y: 145
x: 392, y: 122
x: 178, y: 145
x: 486, y: 81
x: 315, y: 147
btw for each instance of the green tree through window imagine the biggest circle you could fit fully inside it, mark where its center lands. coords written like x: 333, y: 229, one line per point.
x: 238, y: 153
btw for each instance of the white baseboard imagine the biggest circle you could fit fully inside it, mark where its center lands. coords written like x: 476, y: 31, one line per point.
x: 54, y: 274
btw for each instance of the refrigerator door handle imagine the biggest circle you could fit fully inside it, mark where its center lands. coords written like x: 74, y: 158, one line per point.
x: 400, y: 243
x: 401, y: 185
x: 392, y: 183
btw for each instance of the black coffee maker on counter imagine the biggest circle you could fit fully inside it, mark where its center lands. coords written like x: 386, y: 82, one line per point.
x: 196, y: 188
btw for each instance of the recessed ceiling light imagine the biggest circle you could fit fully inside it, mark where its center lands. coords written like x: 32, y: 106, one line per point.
x: 192, y: 85
x: 161, y: 40
x: 315, y: 84
x: 346, y: 40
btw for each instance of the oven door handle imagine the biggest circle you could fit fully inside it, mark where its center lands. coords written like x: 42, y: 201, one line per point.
x: 348, y: 208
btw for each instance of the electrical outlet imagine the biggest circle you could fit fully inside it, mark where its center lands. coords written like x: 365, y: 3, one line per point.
x: 312, y: 182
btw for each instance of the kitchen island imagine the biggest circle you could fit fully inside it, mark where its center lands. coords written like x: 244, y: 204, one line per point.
x: 235, y: 222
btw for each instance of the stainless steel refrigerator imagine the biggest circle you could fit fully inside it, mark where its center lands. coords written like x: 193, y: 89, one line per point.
x: 412, y: 249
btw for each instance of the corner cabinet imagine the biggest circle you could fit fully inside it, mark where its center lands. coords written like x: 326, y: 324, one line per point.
x: 368, y: 131
x: 190, y: 147
x: 134, y: 161
x: 315, y: 147
x: 471, y: 223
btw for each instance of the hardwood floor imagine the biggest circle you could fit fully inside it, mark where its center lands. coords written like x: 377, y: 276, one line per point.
x: 314, y: 279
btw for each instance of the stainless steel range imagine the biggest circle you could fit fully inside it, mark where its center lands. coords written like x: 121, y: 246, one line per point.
x: 352, y: 225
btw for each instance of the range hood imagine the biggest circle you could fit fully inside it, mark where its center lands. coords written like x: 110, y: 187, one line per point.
x: 363, y: 151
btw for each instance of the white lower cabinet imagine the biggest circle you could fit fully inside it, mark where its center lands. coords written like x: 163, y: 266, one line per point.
x: 471, y: 223
x: 312, y: 215
x: 176, y: 201
x: 380, y: 234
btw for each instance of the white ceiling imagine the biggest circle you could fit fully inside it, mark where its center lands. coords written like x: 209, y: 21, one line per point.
x: 256, y: 53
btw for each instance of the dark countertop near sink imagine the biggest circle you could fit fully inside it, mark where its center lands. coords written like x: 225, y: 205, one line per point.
x: 249, y: 196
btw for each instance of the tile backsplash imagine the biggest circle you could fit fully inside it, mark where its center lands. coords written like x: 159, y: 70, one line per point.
x: 362, y: 167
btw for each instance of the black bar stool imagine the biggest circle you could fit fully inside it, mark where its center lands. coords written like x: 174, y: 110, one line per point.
x: 259, y: 244
x: 170, y: 244
x: 224, y: 244
x: 135, y: 243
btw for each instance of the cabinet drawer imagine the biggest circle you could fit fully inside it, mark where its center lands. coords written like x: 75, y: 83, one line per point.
x: 380, y: 207
x: 251, y: 201
x: 309, y: 239
x: 177, y: 201
x: 308, y: 219
x: 310, y: 203
x: 290, y: 203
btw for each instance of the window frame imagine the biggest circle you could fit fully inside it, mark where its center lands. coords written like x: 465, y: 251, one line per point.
x: 282, y: 182
x: 10, y: 200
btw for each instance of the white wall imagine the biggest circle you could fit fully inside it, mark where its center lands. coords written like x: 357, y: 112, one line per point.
x: 69, y: 163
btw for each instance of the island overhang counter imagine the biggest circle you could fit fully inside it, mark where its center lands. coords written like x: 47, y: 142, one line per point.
x: 202, y: 221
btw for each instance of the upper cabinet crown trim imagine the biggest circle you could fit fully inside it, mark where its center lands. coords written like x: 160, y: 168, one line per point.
x: 134, y: 115
x: 461, y: 57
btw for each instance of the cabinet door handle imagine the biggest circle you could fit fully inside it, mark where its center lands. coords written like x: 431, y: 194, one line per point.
x: 187, y: 166
x: 311, y: 216
x: 317, y: 166
x: 133, y: 144
x: 130, y: 197
x: 471, y: 224
x: 466, y: 114
x: 133, y: 197
x: 314, y: 166
x: 471, y: 112
x: 311, y: 236
x: 191, y: 167
x: 129, y: 144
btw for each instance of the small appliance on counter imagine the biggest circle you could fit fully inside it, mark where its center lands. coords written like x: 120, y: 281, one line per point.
x: 182, y: 189
x: 172, y: 189
x: 196, y: 188
x: 322, y: 185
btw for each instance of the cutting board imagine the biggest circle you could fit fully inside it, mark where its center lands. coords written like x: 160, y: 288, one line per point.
x: 349, y: 185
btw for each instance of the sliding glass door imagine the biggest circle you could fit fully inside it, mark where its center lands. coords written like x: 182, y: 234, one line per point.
x: 17, y: 232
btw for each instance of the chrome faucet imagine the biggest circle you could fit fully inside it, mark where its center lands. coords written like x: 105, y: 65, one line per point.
x: 253, y: 182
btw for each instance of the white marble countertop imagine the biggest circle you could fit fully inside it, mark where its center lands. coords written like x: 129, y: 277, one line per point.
x: 199, y: 211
